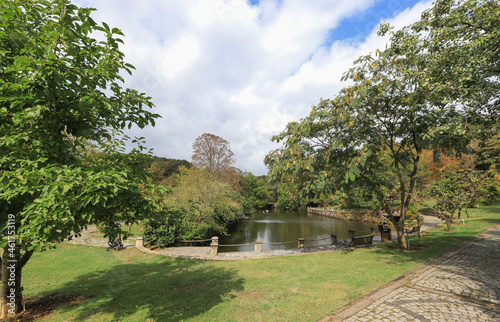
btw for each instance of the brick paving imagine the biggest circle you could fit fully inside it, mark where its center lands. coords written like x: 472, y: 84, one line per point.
x: 462, y: 285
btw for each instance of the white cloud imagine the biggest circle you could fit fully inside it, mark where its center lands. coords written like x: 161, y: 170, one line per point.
x: 235, y: 70
x: 180, y: 56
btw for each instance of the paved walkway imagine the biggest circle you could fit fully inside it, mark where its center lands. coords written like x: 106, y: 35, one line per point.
x: 461, y: 285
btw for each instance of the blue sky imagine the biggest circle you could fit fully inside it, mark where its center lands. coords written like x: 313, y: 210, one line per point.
x: 242, y: 69
x: 359, y: 25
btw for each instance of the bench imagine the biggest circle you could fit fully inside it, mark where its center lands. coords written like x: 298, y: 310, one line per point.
x: 117, y: 242
x: 361, y: 240
x: 412, y: 231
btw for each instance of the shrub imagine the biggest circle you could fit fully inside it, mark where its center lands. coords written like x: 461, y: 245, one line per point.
x: 165, y: 230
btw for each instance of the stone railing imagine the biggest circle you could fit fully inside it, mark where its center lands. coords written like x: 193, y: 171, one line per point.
x: 213, y: 249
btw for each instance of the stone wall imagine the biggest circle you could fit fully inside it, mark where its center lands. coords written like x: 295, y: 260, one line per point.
x: 347, y: 214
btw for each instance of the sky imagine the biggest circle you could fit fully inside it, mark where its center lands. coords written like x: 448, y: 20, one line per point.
x: 242, y: 69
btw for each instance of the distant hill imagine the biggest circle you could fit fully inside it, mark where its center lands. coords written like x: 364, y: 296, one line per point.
x: 164, y: 168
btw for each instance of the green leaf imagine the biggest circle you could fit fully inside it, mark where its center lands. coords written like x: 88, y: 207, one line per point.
x: 62, y: 149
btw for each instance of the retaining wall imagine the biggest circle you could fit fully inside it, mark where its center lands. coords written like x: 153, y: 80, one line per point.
x: 348, y: 214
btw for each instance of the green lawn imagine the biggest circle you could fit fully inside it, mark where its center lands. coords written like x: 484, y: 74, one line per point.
x: 132, y: 286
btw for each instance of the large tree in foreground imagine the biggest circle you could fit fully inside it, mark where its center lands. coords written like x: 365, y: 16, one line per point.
x: 370, y: 136
x: 374, y: 131
x: 61, y: 100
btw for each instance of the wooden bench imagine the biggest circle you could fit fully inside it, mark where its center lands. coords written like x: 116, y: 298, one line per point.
x: 361, y: 240
x: 412, y: 231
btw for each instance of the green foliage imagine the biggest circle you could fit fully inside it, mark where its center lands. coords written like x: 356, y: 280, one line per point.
x: 489, y: 153
x: 165, y: 230
x: 216, y: 205
x: 163, y: 170
x: 285, y: 197
x: 400, y: 101
x: 489, y: 190
x: 60, y: 89
x: 462, y: 40
x: 254, y: 191
x: 456, y: 50
x: 62, y: 110
x: 456, y: 191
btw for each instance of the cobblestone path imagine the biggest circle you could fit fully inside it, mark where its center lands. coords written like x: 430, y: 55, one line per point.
x: 463, y: 285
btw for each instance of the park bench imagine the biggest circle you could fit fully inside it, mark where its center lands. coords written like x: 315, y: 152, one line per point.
x: 361, y: 240
x: 416, y: 229
x: 412, y: 231
x: 117, y: 242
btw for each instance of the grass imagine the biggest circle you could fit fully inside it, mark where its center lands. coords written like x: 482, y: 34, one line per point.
x: 132, y: 286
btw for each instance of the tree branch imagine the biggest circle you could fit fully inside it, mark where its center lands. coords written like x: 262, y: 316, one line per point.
x: 24, y: 259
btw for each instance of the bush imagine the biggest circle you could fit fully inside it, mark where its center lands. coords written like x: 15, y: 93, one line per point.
x: 214, y: 204
x: 254, y: 191
x: 165, y: 230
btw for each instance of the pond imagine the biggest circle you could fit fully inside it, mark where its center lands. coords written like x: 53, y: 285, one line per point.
x: 284, y: 227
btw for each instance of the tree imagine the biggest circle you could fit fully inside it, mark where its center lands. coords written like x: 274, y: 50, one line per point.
x: 371, y: 135
x: 458, y: 43
x: 285, y: 195
x: 433, y: 163
x: 489, y: 153
x: 254, y: 190
x: 62, y: 109
x: 213, y: 205
x: 211, y: 152
x: 163, y: 169
x: 455, y: 192
x: 167, y: 229
x: 399, y: 104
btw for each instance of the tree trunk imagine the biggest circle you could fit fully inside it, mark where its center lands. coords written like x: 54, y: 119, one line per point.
x: 448, y: 222
x: 11, y: 297
x: 399, y: 226
x: 459, y: 216
x: 400, y: 231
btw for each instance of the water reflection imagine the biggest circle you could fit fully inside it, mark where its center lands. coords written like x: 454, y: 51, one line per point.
x: 285, y: 227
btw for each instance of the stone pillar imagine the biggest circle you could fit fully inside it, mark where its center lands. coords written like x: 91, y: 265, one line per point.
x: 334, y: 238
x: 300, y: 242
x: 139, y: 242
x: 258, y: 246
x: 214, y: 246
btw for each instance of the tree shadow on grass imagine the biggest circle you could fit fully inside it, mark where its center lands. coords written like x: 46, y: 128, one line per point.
x: 434, y: 243
x: 171, y: 290
x: 439, y: 241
